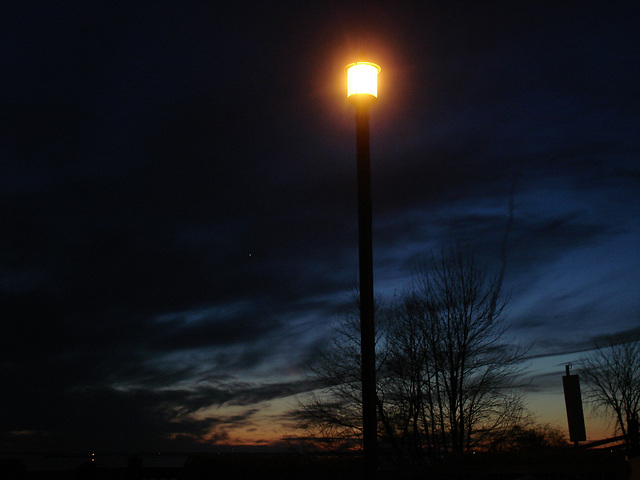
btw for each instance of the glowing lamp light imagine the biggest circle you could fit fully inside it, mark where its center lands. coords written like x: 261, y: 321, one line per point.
x: 362, y: 81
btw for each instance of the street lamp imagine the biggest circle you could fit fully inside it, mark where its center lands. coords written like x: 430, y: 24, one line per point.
x: 362, y: 92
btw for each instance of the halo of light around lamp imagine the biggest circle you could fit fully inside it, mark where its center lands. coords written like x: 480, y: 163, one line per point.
x: 362, y: 82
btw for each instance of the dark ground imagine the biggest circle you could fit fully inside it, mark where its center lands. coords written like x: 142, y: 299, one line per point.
x: 563, y: 464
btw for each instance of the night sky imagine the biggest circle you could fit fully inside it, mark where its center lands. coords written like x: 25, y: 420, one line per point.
x: 178, y: 198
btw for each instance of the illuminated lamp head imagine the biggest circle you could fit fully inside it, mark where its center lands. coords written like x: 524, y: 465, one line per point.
x: 362, y: 83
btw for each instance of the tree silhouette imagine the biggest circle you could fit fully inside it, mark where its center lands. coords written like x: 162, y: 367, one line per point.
x: 451, y: 364
x: 446, y: 371
x: 611, y: 373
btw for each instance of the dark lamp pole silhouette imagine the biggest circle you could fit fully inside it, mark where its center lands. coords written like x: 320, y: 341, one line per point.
x: 362, y: 92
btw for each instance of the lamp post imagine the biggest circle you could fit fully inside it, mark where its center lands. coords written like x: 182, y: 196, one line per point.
x: 362, y: 92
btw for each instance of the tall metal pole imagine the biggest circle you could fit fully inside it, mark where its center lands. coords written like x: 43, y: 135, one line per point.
x: 367, y: 328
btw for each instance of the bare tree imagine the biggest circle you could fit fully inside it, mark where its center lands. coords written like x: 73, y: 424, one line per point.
x: 612, y: 375
x: 451, y: 333
x: 446, y: 371
x: 333, y: 412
